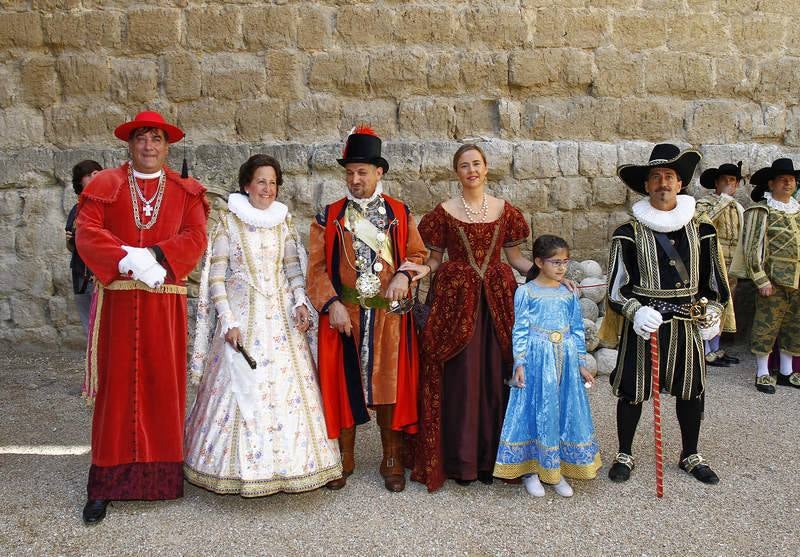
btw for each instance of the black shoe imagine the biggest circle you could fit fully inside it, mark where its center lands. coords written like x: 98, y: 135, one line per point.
x: 464, y: 482
x: 791, y: 380
x: 729, y: 359
x: 719, y: 362
x: 764, y: 384
x: 485, y: 478
x: 620, y: 471
x: 95, y: 511
x: 697, y: 466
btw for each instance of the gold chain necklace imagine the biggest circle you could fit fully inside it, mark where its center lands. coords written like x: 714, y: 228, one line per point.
x: 148, y: 209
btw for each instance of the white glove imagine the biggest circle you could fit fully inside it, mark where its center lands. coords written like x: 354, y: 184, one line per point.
x: 646, y: 320
x: 141, y: 264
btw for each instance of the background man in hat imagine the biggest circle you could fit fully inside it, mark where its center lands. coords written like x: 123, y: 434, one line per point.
x: 769, y: 255
x: 726, y: 214
x: 367, y: 341
x: 141, y: 230
x: 662, y: 262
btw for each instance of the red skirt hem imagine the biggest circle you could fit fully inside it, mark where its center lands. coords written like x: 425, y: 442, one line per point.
x: 147, y: 481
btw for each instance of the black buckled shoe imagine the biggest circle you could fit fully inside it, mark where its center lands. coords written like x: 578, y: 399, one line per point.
x: 725, y: 357
x: 95, y: 511
x: 791, y: 380
x: 697, y: 466
x: 713, y: 360
x: 765, y: 384
x: 620, y: 471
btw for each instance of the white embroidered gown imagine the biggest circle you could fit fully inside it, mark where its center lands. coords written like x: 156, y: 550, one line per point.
x: 255, y: 432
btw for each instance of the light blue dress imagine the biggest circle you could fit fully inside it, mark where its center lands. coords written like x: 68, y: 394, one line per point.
x: 548, y: 425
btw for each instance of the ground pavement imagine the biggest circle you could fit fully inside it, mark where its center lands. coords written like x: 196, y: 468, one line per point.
x: 752, y: 440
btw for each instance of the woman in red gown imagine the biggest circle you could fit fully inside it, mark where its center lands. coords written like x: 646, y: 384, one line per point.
x: 466, y: 344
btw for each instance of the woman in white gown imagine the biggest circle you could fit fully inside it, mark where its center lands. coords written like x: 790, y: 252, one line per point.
x: 256, y: 431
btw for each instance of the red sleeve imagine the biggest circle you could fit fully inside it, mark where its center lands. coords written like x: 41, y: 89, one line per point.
x: 184, y: 250
x: 516, y: 229
x: 433, y: 229
x: 99, y: 248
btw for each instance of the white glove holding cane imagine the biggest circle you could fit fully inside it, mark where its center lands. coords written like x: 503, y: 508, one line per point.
x: 646, y: 320
x: 141, y: 264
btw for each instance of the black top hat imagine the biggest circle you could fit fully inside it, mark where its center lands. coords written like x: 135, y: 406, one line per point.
x: 362, y: 145
x: 709, y: 176
x: 760, y: 178
x: 664, y: 155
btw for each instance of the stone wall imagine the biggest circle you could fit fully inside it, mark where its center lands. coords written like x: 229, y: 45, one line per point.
x: 558, y: 91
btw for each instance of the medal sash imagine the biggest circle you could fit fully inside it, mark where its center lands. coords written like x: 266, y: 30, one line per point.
x: 360, y: 227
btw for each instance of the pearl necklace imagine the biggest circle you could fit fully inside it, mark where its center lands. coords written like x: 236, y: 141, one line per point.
x: 476, y: 215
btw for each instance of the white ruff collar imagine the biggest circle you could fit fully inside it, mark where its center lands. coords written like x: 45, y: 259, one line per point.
x: 789, y: 208
x: 143, y: 176
x: 664, y: 221
x: 272, y: 216
x: 366, y: 201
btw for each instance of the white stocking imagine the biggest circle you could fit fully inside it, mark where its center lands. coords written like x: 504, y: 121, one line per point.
x: 786, y: 363
x: 762, y: 365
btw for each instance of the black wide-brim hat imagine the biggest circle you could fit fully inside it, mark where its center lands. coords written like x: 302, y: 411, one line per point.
x: 760, y: 178
x: 363, y: 146
x: 708, y: 179
x: 664, y: 155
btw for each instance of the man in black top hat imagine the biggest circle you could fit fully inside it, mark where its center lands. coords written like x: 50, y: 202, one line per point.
x: 661, y: 264
x: 367, y: 341
x: 726, y: 214
x: 769, y: 255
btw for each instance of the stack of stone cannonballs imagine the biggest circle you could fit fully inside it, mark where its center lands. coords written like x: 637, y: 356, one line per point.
x: 591, y: 279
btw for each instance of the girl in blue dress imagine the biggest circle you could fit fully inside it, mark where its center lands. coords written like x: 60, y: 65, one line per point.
x: 548, y: 433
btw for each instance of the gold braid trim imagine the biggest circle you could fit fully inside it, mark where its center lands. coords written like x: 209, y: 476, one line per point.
x: 267, y: 486
x: 91, y: 378
x: 549, y: 475
x: 138, y: 285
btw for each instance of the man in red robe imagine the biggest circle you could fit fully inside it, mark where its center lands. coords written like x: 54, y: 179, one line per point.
x: 367, y: 342
x: 141, y: 228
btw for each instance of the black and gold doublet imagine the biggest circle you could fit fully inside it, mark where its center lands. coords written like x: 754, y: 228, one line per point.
x: 641, y: 273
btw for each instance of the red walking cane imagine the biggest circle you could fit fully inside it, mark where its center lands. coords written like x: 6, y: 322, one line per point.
x: 654, y: 366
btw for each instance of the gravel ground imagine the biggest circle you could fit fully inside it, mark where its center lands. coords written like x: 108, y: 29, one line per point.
x: 751, y: 439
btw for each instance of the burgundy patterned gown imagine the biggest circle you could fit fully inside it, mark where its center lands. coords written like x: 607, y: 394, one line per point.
x: 466, y: 346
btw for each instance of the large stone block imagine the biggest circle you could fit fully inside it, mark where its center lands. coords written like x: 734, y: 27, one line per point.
x: 762, y: 34
x: 233, y: 77
x: 182, y: 77
x: 485, y: 73
x: 558, y: 223
x: 28, y: 126
x: 510, y: 113
x: 214, y: 28
x: 597, y: 159
x: 27, y: 313
x: 682, y: 74
x: 20, y: 29
x: 529, y: 196
x: 9, y: 85
x: 568, y: 157
x: 316, y: 31
x: 550, y: 70
x: 499, y: 157
x: 609, y: 192
x: 434, y: 25
x: 153, y: 29
x: 437, y: 160
x: 572, y: 193
x: 619, y: 74
x: 536, y: 159
x: 716, y: 122
x: 285, y: 75
x: 640, y: 31
x: 576, y: 118
x: 366, y: 25
x: 691, y: 34
x: 269, y: 26
x: 323, y: 157
x: 426, y: 117
x: 339, y: 71
x: 208, y: 119
x: 778, y: 79
x: 444, y: 72
x: 653, y: 119
x: 588, y: 235
x: 134, y: 81
x: 575, y: 28
x: 736, y: 76
x: 768, y: 122
x: 15, y: 167
x: 476, y: 117
x: 84, y: 75
x: 499, y: 26
x: 405, y: 160
x: 83, y: 30
x: 314, y: 118
x: 40, y: 85
x: 217, y: 166
x: 294, y: 158
x: 261, y: 119
x: 398, y: 74
x: 381, y: 115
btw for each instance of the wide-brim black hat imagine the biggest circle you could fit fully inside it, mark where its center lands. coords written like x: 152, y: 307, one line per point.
x: 365, y: 147
x: 760, y: 178
x: 664, y: 155
x: 708, y: 179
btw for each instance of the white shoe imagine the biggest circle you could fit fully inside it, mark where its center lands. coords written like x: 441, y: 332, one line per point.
x: 563, y: 488
x: 533, y: 486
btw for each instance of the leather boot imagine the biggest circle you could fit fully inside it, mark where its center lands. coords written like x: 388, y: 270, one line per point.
x: 391, y: 467
x: 347, y: 445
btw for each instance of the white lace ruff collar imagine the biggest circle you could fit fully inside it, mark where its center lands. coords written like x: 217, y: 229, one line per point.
x: 664, y: 221
x: 789, y: 208
x: 272, y: 216
x: 366, y: 201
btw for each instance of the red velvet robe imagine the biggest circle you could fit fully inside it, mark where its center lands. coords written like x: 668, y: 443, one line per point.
x: 139, y: 335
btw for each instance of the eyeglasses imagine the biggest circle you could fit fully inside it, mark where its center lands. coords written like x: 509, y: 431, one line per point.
x: 557, y: 262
